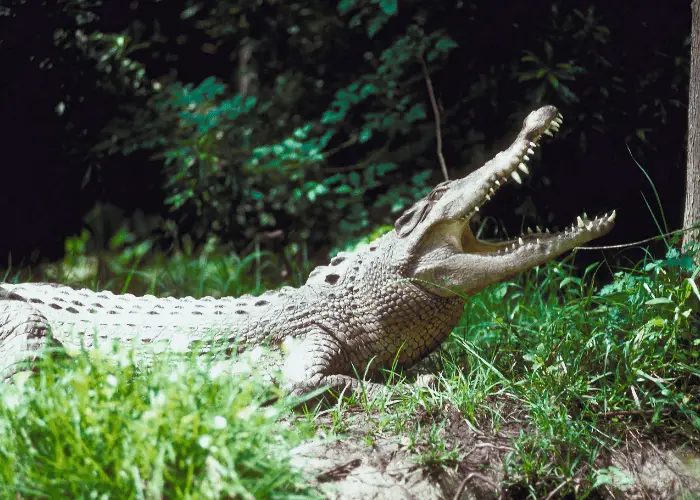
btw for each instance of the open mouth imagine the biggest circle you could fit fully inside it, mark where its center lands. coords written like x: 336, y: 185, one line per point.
x: 511, y: 166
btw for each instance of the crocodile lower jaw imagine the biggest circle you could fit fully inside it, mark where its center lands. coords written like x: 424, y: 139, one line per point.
x: 582, y: 228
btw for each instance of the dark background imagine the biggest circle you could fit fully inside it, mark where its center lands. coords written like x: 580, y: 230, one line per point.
x: 50, y: 179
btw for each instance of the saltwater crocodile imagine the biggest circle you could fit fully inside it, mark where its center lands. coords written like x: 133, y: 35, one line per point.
x: 393, y: 301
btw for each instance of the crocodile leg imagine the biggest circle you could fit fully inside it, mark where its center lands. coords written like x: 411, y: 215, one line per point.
x: 314, y: 362
x: 23, y: 330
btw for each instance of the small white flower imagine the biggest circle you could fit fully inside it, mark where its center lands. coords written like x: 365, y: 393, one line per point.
x: 111, y: 380
x: 123, y: 358
x: 271, y: 412
x: 219, y: 422
x: 11, y: 400
x: 256, y: 354
x: 241, y: 367
x: 177, y: 372
x: 149, y: 415
x: 217, y: 370
x: 158, y: 399
x: 72, y: 350
x: 204, y: 441
x: 246, y: 412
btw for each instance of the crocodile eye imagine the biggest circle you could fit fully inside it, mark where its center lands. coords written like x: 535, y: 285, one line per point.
x: 439, y: 190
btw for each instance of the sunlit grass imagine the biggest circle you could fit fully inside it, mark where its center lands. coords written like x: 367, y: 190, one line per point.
x: 99, y: 427
x: 575, y: 365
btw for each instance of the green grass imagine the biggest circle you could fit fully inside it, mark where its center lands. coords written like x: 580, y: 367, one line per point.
x: 98, y: 427
x: 575, y: 367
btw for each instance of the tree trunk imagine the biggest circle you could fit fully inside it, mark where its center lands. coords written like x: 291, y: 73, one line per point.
x: 691, y: 215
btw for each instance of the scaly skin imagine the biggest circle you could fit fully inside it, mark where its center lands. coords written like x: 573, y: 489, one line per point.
x: 394, y: 300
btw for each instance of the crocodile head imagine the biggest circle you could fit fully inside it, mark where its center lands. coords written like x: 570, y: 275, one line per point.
x: 440, y: 249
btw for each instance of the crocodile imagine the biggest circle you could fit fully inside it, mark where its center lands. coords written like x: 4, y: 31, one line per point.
x: 389, y: 303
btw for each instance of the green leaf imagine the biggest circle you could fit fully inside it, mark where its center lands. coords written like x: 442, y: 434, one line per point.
x: 355, y: 21
x: 421, y: 178
x: 332, y: 116
x: 611, y: 475
x: 367, y: 90
x: 383, y: 168
x: 190, y: 11
x: 344, y: 6
x: 375, y: 25
x: 445, y: 44
x: 569, y: 279
x: 390, y: 7
x: 658, y: 300
x: 416, y: 113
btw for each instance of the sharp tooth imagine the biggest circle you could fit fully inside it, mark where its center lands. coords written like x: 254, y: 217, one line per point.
x: 554, y: 125
x: 547, y: 132
x: 533, y: 144
x: 491, y: 191
x: 560, y: 117
x: 516, y: 176
x: 530, y: 151
x: 538, y: 229
x: 526, y: 158
x: 476, y: 209
x: 547, y: 231
x: 529, y: 230
x: 589, y: 226
x: 612, y: 216
x: 538, y: 241
x: 579, y: 221
x: 520, y: 241
x: 523, y: 168
x: 487, y: 197
x: 497, y: 182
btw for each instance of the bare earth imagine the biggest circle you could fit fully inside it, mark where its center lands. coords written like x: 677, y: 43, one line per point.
x: 384, y: 467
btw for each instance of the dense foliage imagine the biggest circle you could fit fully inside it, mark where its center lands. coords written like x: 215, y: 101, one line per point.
x: 266, y: 118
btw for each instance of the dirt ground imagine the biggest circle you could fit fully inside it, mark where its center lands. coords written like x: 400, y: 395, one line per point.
x: 363, y: 464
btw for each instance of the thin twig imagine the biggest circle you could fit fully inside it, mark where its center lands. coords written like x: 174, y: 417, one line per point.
x: 647, y: 240
x: 633, y: 413
x: 556, y: 490
x: 630, y: 413
x: 436, y: 111
x: 463, y: 484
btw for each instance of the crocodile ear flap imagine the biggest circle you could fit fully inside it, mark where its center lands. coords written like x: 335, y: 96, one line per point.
x: 412, y: 217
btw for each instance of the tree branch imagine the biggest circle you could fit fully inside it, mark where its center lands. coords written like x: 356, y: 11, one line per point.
x: 436, y: 111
